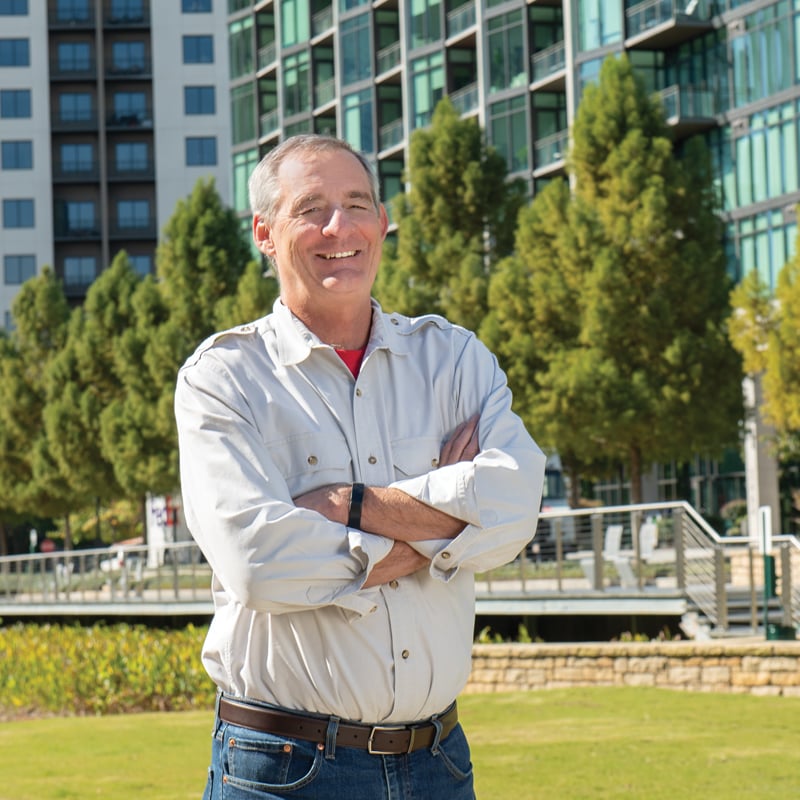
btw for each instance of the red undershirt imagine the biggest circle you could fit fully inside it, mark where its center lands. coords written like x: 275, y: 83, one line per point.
x: 352, y: 358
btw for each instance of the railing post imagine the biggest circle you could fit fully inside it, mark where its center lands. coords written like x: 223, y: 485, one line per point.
x: 597, y: 547
x: 559, y: 551
x: 678, y: 536
x: 753, y: 597
x: 636, y: 527
x: 721, y: 596
x: 786, y: 585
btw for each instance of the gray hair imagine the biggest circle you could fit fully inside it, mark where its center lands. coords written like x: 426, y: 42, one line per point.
x: 264, y: 186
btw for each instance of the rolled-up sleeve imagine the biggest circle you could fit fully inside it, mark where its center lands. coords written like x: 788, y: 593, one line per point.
x: 267, y: 553
x: 498, y: 493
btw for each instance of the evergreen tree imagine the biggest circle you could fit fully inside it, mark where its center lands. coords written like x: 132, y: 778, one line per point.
x: 628, y: 292
x: 456, y: 221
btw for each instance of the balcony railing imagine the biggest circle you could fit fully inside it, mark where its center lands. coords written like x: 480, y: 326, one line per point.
x: 269, y: 123
x: 652, y: 13
x: 547, y: 62
x: 133, y: 229
x: 139, y: 68
x: 134, y: 14
x: 682, y: 102
x: 130, y: 119
x: 551, y: 150
x: 465, y: 100
x: 74, y: 69
x: 76, y: 172
x: 388, y: 58
x: 391, y: 135
x: 267, y: 55
x: 82, y: 231
x: 324, y: 92
x: 133, y: 171
x: 460, y: 19
x: 322, y: 21
x: 64, y: 16
x: 75, y: 122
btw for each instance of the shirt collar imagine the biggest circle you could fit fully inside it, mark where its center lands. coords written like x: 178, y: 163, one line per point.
x: 296, y: 341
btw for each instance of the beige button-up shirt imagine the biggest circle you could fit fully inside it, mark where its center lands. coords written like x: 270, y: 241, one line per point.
x: 266, y: 412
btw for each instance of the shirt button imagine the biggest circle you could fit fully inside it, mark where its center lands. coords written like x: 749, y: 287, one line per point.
x: 372, y: 460
x: 394, y: 584
x: 358, y: 392
x: 395, y: 322
x: 445, y: 554
x: 434, y: 462
x: 405, y: 654
x: 312, y: 460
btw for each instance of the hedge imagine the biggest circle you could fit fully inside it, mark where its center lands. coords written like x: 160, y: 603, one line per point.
x: 102, y: 669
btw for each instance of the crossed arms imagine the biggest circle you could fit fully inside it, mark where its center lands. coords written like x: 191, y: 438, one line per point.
x: 394, y: 514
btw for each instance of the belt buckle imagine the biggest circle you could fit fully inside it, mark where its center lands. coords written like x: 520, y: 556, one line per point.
x: 388, y: 729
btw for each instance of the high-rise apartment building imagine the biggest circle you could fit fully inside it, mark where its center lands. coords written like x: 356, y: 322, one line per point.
x: 110, y: 111
x: 372, y: 71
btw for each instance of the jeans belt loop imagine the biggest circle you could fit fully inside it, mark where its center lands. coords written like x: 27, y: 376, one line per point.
x: 330, y: 738
x: 437, y: 723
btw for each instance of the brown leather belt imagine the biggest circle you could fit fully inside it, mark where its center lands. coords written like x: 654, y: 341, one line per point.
x: 376, y: 739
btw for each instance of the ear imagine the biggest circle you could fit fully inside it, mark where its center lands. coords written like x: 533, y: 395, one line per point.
x: 262, y: 236
x: 384, y: 217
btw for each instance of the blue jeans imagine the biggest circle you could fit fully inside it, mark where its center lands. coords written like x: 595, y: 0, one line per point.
x: 250, y: 765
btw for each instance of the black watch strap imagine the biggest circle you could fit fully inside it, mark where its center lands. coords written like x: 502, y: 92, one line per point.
x: 356, y: 503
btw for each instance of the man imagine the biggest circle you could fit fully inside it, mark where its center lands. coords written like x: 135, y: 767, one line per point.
x: 345, y: 472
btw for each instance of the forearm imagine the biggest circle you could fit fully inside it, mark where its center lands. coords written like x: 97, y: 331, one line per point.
x: 402, y: 560
x: 385, y: 511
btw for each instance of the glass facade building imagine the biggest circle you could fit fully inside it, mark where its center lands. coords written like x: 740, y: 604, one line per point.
x: 372, y: 72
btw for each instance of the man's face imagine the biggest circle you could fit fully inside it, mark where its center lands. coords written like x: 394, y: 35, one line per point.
x: 327, y: 235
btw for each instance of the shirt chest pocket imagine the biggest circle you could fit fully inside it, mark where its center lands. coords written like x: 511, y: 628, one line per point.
x: 413, y: 457
x: 310, y: 460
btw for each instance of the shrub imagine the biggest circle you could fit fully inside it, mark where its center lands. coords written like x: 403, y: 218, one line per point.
x: 102, y: 669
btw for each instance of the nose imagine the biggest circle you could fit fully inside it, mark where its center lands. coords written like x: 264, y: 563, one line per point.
x: 337, y: 221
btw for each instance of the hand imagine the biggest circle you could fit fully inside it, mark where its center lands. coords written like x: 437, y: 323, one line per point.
x: 462, y: 444
x: 401, y: 560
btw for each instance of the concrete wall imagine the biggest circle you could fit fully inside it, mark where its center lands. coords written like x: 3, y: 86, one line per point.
x: 753, y: 666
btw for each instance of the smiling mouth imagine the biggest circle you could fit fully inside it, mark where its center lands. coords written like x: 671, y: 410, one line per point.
x: 343, y: 254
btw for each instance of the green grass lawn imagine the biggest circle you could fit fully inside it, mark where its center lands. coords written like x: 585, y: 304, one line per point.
x: 563, y: 744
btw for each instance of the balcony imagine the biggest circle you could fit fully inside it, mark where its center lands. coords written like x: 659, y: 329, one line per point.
x: 267, y: 56
x: 387, y: 60
x: 71, y: 19
x: 269, y: 124
x: 138, y: 69
x: 72, y: 122
x: 689, y: 110
x: 125, y: 120
x: 548, y: 68
x: 76, y: 172
x: 76, y: 232
x: 73, y: 69
x: 550, y: 153
x: 322, y: 22
x: 465, y: 100
x: 129, y: 15
x: 659, y: 24
x: 390, y: 135
x: 461, y: 21
x: 132, y: 171
x: 133, y: 229
x: 324, y: 93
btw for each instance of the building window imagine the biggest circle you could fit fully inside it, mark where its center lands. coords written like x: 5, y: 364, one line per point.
x: 18, y: 213
x: 17, y: 154
x: 13, y: 8
x: 295, y: 22
x: 74, y: 57
x: 243, y: 113
x: 241, y: 48
x: 133, y: 213
x: 199, y: 100
x: 142, y: 264
x: 358, y: 126
x: 198, y: 50
x: 296, y: 84
x: 80, y: 218
x: 349, y: 5
x: 18, y: 269
x: 72, y: 11
x: 129, y: 108
x: 428, y: 87
x: 507, y: 66
x: 75, y: 107
x: 509, y: 132
x: 77, y: 158
x: 128, y: 57
x: 79, y: 271
x: 243, y: 164
x: 196, y: 6
x: 131, y: 156
x: 127, y: 11
x: 201, y: 151
x: 426, y: 22
x: 15, y: 103
x: 599, y: 23
x: 14, y: 53
x: 356, y: 49
x: 766, y: 243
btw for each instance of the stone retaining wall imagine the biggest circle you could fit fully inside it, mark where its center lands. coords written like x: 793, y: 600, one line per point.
x: 752, y: 666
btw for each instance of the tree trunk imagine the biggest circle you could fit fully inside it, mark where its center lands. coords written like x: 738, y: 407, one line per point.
x: 67, y: 534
